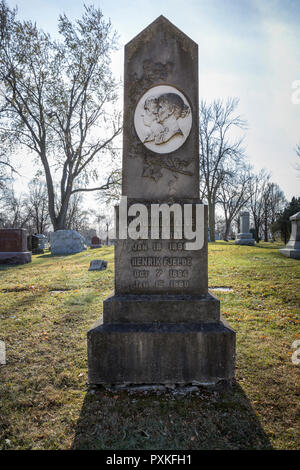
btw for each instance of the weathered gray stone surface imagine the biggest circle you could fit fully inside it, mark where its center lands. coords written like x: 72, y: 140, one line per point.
x: 98, y: 265
x: 161, y: 308
x: 2, y: 353
x: 160, y: 54
x: 244, y: 237
x: 292, y: 248
x: 164, y: 353
x: 161, y: 266
x: 66, y: 242
x: 161, y: 326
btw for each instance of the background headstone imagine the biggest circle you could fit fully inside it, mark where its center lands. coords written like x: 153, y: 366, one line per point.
x: 245, y: 237
x: 2, y: 353
x: 29, y: 244
x: 13, y: 246
x: 95, y: 242
x: 98, y: 265
x: 87, y: 235
x: 161, y: 325
x: 292, y: 248
x: 36, y: 245
x: 43, y: 241
x: 66, y: 242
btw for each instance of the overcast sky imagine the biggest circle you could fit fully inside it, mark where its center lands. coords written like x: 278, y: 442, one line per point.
x: 247, y: 48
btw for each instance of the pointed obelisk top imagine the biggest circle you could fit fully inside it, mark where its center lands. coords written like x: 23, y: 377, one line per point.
x: 161, y: 21
x: 160, y: 138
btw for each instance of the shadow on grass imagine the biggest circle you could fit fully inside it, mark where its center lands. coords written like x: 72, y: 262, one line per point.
x: 67, y: 255
x: 49, y: 255
x: 33, y: 299
x: 261, y: 244
x: 7, y: 267
x: 209, y: 420
x: 269, y: 246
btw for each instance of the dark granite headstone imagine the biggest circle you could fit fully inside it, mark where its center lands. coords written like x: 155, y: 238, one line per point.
x: 98, y: 265
x: 95, y: 242
x: 29, y: 244
x: 35, y: 244
x: 161, y: 325
x: 13, y: 246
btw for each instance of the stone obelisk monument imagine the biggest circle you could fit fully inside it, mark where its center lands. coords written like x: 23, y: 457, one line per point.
x: 244, y: 237
x: 161, y: 325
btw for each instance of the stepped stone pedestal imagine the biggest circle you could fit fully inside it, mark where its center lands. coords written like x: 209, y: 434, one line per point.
x: 292, y: 248
x: 245, y: 237
x: 161, y: 325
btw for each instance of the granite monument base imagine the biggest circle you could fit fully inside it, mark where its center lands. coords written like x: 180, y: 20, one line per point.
x: 161, y: 339
x: 290, y: 252
x: 292, y: 248
x: 245, y: 239
x: 161, y: 309
x: 15, y: 257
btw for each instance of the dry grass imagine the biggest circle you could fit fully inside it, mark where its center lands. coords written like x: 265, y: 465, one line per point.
x: 47, y: 307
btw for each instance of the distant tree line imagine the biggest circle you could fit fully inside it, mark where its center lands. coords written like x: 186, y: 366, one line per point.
x: 57, y: 99
x: 30, y: 210
x: 229, y: 183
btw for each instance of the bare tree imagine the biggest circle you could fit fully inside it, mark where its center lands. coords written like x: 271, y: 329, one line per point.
x: 57, y: 99
x: 77, y: 217
x: 234, y: 194
x: 282, y: 222
x: 298, y: 154
x: 258, y: 185
x: 14, y: 211
x: 104, y: 223
x: 218, y: 149
x: 6, y: 169
x: 4, y: 176
x: 36, y: 205
x: 112, y: 194
x: 273, y: 203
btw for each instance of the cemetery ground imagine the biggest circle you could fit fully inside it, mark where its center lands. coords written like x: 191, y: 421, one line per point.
x: 46, y: 308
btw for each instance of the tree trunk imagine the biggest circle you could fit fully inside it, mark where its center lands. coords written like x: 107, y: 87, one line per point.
x: 227, y: 229
x: 211, y: 220
x: 256, y: 225
x: 60, y: 221
x: 50, y: 190
x: 266, y: 230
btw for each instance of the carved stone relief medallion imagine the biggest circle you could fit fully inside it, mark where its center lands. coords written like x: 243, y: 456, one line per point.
x: 163, y: 119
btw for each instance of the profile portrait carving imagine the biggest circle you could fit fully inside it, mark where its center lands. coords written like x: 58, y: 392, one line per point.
x: 163, y: 119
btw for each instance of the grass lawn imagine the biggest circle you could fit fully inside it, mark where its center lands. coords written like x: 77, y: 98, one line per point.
x: 46, y: 308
